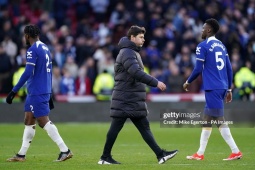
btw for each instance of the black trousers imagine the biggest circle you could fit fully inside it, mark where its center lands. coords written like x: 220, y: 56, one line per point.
x: 142, y: 124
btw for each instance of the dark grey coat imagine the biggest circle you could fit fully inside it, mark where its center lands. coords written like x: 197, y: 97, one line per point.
x: 129, y: 95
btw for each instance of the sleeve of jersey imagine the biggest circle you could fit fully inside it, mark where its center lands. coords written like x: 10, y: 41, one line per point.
x: 31, y: 59
x: 24, y: 77
x: 197, y: 70
x: 200, y: 57
x: 229, y: 71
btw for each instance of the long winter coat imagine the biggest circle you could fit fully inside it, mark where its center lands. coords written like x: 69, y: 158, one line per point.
x: 129, y: 95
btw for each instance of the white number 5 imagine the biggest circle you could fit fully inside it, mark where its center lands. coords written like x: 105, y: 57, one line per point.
x: 218, y: 59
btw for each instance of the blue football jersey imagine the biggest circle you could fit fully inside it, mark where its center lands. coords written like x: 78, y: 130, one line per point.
x: 214, y: 55
x: 39, y: 56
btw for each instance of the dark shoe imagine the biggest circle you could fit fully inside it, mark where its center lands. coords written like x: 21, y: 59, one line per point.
x: 166, y: 155
x: 17, y: 158
x: 107, y: 160
x: 64, y: 156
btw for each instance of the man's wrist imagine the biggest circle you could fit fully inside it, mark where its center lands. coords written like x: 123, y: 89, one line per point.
x: 187, y: 82
x: 229, y: 90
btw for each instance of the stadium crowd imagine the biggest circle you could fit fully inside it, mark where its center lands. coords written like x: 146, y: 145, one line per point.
x: 83, y: 37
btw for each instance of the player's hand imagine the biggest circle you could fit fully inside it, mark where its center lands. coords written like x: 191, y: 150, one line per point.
x: 161, y: 86
x: 51, y: 104
x: 228, y: 98
x: 10, y: 97
x: 185, y: 86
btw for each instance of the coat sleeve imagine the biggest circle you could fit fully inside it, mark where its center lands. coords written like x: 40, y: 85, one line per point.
x: 130, y: 63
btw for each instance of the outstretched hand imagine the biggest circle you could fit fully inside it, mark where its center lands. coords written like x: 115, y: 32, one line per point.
x: 10, y: 97
x: 161, y: 86
x: 185, y: 86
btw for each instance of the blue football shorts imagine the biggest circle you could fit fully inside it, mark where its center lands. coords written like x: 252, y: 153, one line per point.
x: 215, y: 102
x: 38, y: 105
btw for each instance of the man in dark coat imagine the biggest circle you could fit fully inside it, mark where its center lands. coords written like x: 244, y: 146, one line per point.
x: 129, y: 95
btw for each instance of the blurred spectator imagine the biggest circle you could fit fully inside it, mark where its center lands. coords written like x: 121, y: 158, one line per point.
x: 84, y: 49
x: 6, y: 28
x: 139, y: 19
x: 137, y: 5
x: 56, y: 80
x: 245, y: 81
x: 59, y: 11
x: 99, y: 8
x: 10, y: 47
x: 69, y: 48
x: 48, y: 34
x: 236, y: 61
x: 82, y: 9
x: 106, y: 63
x: 103, y: 86
x: 63, y: 33
x: 22, y: 93
x: 175, y: 79
x: 185, y: 58
x: 84, y: 28
x: 67, y: 84
x: 159, y: 36
x: 71, y: 66
x: 82, y: 82
x: 166, y: 58
x: 170, y: 48
x: 21, y: 58
x: 91, y: 70
x: 59, y: 56
x: 102, y: 33
x: 44, y: 17
x: 153, y: 54
x: 170, y: 31
x: 117, y: 32
x: 119, y: 15
x: 178, y: 20
x: 5, y: 68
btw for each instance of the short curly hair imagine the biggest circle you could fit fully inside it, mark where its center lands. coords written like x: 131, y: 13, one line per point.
x: 214, y: 24
x: 32, y: 30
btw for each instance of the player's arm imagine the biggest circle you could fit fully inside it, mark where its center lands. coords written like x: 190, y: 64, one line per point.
x: 24, y: 77
x: 197, y: 70
x: 195, y: 73
x: 200, y: 52
x: 230, y: 79
x: 229, y: 72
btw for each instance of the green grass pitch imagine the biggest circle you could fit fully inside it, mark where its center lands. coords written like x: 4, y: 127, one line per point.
x: 86, y: 140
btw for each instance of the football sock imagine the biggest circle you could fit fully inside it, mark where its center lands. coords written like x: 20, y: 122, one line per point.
x: 226, y: 134
x: 52, y: 131
x: 28, y: 135
x: 205, y: 134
